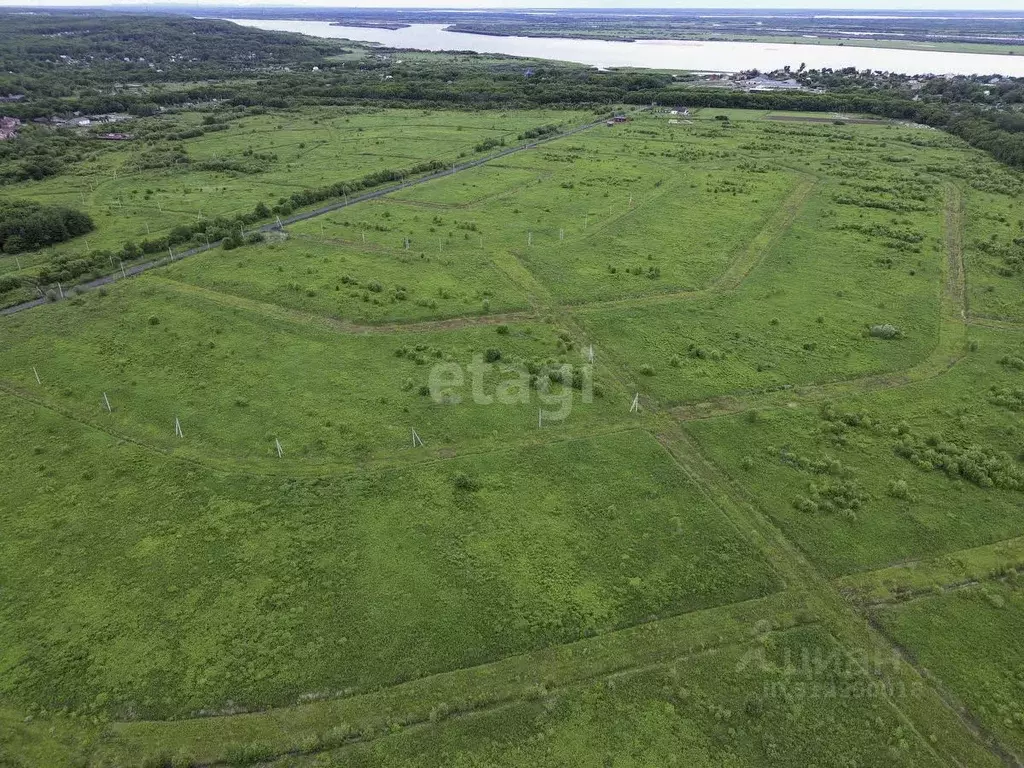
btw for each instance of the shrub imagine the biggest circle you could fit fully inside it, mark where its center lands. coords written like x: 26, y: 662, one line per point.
x: 885, y: 332
x: 899, y: 489
x: 464, y: 482
x: 502, y: 329
x: 153, y: 320
x: 1012, y: 362
x: 647, y: 370
x: 492, y: 355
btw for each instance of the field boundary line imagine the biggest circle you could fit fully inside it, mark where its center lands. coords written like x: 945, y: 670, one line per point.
x: 306, y: 318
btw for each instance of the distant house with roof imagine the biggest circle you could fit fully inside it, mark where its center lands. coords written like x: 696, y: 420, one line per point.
x: 9, y: 127
x: 762, y: 83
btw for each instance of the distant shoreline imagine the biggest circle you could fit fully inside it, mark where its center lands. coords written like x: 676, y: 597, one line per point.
x: 1001, y: 49
x: 371, y: 24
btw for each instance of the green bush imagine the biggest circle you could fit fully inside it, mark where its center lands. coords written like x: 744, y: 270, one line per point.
x: 885, y: 331
x: 464, y: 482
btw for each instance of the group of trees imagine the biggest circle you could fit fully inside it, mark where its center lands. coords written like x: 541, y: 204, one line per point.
x: 27, y: 225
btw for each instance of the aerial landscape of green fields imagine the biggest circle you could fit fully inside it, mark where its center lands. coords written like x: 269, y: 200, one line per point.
x: 384, y: 430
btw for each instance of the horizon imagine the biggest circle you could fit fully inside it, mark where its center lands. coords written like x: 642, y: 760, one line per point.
x: 850, y: 6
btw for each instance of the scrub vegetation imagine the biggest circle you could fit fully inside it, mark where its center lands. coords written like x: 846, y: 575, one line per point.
x: 686, y: 441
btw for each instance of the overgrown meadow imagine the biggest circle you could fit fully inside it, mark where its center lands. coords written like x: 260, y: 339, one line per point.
x: 674, y: 441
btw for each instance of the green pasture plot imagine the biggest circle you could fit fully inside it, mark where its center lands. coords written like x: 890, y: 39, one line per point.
x: 335, y: 274
x: 597, y: 219
x: 948, y: 570
x: 712, y: 113
x: 970, y: 640
x: 239, y: 377
x: 994, y: 251
x: 838, y: 483
x: 477, y: 186
x: 179, y: 590
x: 736, y: 706
x: 660, y: 243
x: 317, y: 723
x: 137, y: 190
x: 801, y: 315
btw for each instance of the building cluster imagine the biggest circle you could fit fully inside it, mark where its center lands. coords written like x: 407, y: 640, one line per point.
x: 761, y: 83
x: 9, y: 127
x: 751, y: 82
x: 79, y: 120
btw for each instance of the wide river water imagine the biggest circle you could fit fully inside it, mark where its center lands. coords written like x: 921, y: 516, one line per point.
x: 665, y: 54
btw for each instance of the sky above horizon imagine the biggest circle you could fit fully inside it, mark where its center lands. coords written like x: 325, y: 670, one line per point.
x: 820, y: 5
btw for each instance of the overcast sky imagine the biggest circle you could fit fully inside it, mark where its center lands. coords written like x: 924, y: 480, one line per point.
x: 886, y: 5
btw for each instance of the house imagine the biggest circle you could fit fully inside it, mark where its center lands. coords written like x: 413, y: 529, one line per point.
x: 9, y: 127
x: 762, y: 83
x: 115, y: 136
x: 11, y: 97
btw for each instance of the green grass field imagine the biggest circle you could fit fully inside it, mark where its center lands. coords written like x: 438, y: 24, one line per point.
x: 968, y: 638
x: 650, y: 445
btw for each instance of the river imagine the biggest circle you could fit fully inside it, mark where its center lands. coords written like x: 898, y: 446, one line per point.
x: 664, y: 54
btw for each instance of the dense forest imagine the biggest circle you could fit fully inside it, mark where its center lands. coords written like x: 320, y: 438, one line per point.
x: 25, y: 226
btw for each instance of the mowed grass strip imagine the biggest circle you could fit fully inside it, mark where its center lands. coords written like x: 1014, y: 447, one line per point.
x: 140, y: 586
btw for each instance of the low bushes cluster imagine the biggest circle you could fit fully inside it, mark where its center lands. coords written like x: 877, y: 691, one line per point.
x: 1011, y: 398
x: 976, y: 464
